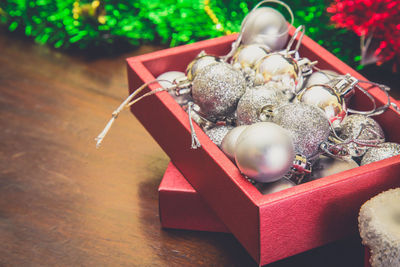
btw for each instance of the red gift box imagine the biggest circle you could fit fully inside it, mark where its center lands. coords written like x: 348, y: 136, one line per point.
x: 181, y: 207
x: 278, y: 225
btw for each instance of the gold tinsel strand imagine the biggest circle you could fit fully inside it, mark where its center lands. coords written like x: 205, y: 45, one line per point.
x: 214, y: 18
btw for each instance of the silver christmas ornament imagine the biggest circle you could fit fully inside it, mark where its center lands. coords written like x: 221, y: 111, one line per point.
x: 248, y: 55
x: 281, y: 69
x: 265, y: 26
x: 307, y: 125
x: 363, y: 131
x: 264, y: 152
x: 172, y: 76
x: 324, y: 98
x: 217, y: 89
x: 326, y: 166
x: 257, y: 100
x: 269, y: 188
x: 228, y: 144
x: 201, y: 61
x: 217, y: 133
x: 277, y: 67
x: 320, y: 77
x: 379, y: 226
x: 383, y: 151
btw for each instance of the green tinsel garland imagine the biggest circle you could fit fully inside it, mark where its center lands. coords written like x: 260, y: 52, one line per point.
x: 172, y: 22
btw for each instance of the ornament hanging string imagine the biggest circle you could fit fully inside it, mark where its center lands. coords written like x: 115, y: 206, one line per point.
x: 129, y: 102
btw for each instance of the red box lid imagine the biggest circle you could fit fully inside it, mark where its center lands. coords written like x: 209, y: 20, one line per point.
x: 181, y: 207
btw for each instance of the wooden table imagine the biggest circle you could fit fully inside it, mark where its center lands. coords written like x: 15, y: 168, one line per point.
x: 65, y: 203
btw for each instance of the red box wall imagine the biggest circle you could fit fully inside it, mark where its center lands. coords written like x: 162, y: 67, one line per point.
x: 278, y: 225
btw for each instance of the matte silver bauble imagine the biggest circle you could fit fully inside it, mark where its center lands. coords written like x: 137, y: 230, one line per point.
x: 307, y: 125
x: 383, y: 151
x: 248, y: 55
x: 362, y: 129
x: 269, y: 188
x: 320, y: 77
x: 265, y: 26
x: 277, y: 67
x: 256, y: 100
x: 264, y: 152
x: 324, y: 98
x: 217, y: 89
x: 326, y: 166
x: 217, y: 133
x: 228, y: 144
x: 201, y: 61
x: 171, y: 76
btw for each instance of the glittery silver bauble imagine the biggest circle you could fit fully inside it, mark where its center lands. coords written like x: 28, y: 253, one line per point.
x: 307, y: 124
x: 326, y: 166
x: 264, y: 152
x: 228, y: 144
x: 217, y: 133
x: 171, y: 76
x: 320, y: 77
x: 265, y: 26
x: 362, y: 129
x: 384, y: 151
x: 269, y: 188
x: 217, y: 89
x: 201, y: 61
x: 256, y: 100
x: 248, y: 55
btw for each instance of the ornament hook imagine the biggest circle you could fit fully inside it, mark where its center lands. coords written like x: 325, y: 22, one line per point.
x: 299, y: 30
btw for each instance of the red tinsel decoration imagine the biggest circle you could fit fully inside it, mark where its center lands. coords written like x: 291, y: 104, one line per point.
x: 379, y: 18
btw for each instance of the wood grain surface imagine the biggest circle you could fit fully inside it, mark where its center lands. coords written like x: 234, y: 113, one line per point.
x: 65, y: 203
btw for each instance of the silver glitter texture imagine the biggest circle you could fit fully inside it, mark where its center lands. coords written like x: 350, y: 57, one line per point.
x: 217, y: 89
x: 217, y: 134
x: 251, y: 104
x: 384, y: 151
x: 307, y: 124
x: 363, y: 129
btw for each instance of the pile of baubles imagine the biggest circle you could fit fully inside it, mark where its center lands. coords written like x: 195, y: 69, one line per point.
x: 278, y: 117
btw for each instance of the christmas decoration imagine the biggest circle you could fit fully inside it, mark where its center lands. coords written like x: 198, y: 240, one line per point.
x: 307, y: 125
x: 361, y: 131
x: 379, y: 227
x: 217, y: 133
x: 59, y: 24
x: 248, y: 55
x: 168, y: 79
x: 202, y: 60
x: 265, y: 26
x: 256, y: 100
x: 264, y: 159
x: 320, y: 77
x: 217, y: 89
x: 371, y: 20
x: 228, y: 144
x: 383, y: 151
